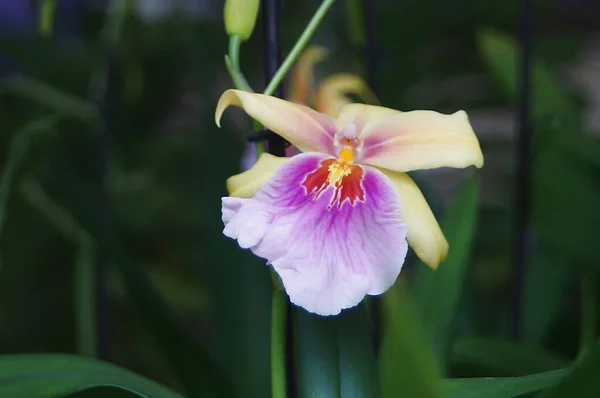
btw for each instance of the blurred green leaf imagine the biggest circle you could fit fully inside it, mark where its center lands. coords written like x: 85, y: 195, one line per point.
x: 19, y: 146
x: 502, y: 387
x: 239, y: 283
x: 582, y: 381
x: 51, y: 376
x: 58, y: 216
x: 316, y: 356
x: 192, y: 363
x: 438, y: 294
x: 504, y: 357
x: 407, y: 367
x: 548, y: 278
x: 500, y: 53
x: 103, y: 392
x: 15, y: 158
x: 565, y: 197
x: 48, y: 60
x: 334, y: 355
x: 49, y: 96
x: 565, y: 164
x: 358, y: 368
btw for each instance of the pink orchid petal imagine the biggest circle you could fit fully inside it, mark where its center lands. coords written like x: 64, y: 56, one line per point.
x: 329, y: 252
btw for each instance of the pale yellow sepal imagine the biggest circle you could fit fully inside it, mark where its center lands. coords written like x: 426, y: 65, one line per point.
x: 419, y: 140
x: 305, y: 128
x: 332, y: 94
x: 245, y: 185
x: 240, y: 17
x: 424, y: 233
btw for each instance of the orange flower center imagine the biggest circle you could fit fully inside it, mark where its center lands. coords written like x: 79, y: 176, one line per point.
x: 341, y: 173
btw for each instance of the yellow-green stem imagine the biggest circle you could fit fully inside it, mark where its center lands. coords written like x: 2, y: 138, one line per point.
x: 278, y: 314
x: 235, y: 43
x: 232, y: 63
x: 299, y: 46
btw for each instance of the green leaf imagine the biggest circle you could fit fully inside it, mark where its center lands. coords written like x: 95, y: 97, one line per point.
x: 316, y: 356
x: 16, y: 156
x: 50, y: 97
x: 334, y: 355
x: 358, y: 367
x: 17, y: 152
x: 565, y: 188
x: 407, y: 367
x: 52, y: 376
x: 502, y: 387
x: 566, y: 193
x: 500, y: 53
x: 548, y: 278
x: 504, y: 357
x: 438, y: 293
x: 193, y: 365
x: 582, y: 381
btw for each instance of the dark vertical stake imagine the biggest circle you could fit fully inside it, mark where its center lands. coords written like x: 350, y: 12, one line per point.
x: 371, y: 49
x: 103, y: 152
x: 276, y: 145
x: 272, y: 54
x: 369, y: 8
x: 522, y: 199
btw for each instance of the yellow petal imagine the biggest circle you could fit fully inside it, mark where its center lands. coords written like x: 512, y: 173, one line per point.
x: 303, y: 77
x: 245, y: 185
x: 305, y: 128
x: 424, y: 233
x: 405, y: 141
x: 333, y: 93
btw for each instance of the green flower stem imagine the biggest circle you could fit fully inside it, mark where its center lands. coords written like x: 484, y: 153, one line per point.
x: 235, y: 43
x: 47, y: 17
x: 232, y: 62
x: 298, y: 47
x: 588, y: 313
x: 278, y: 313
x: 239, y: 81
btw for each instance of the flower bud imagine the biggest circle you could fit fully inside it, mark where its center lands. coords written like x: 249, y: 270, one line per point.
x: 240, y: 17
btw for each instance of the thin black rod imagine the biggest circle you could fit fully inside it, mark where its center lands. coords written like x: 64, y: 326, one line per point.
x: 272, y: 59
x: 369, y: 9
x: 524, y: 139
x: 371, y: 49
x: 275, y: 145
x: 104, y: 145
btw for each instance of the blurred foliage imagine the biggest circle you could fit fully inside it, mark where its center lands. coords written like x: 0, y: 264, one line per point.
x: 110, y: 158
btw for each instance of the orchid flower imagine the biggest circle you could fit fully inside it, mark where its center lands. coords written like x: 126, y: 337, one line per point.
x: 335, y: 221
